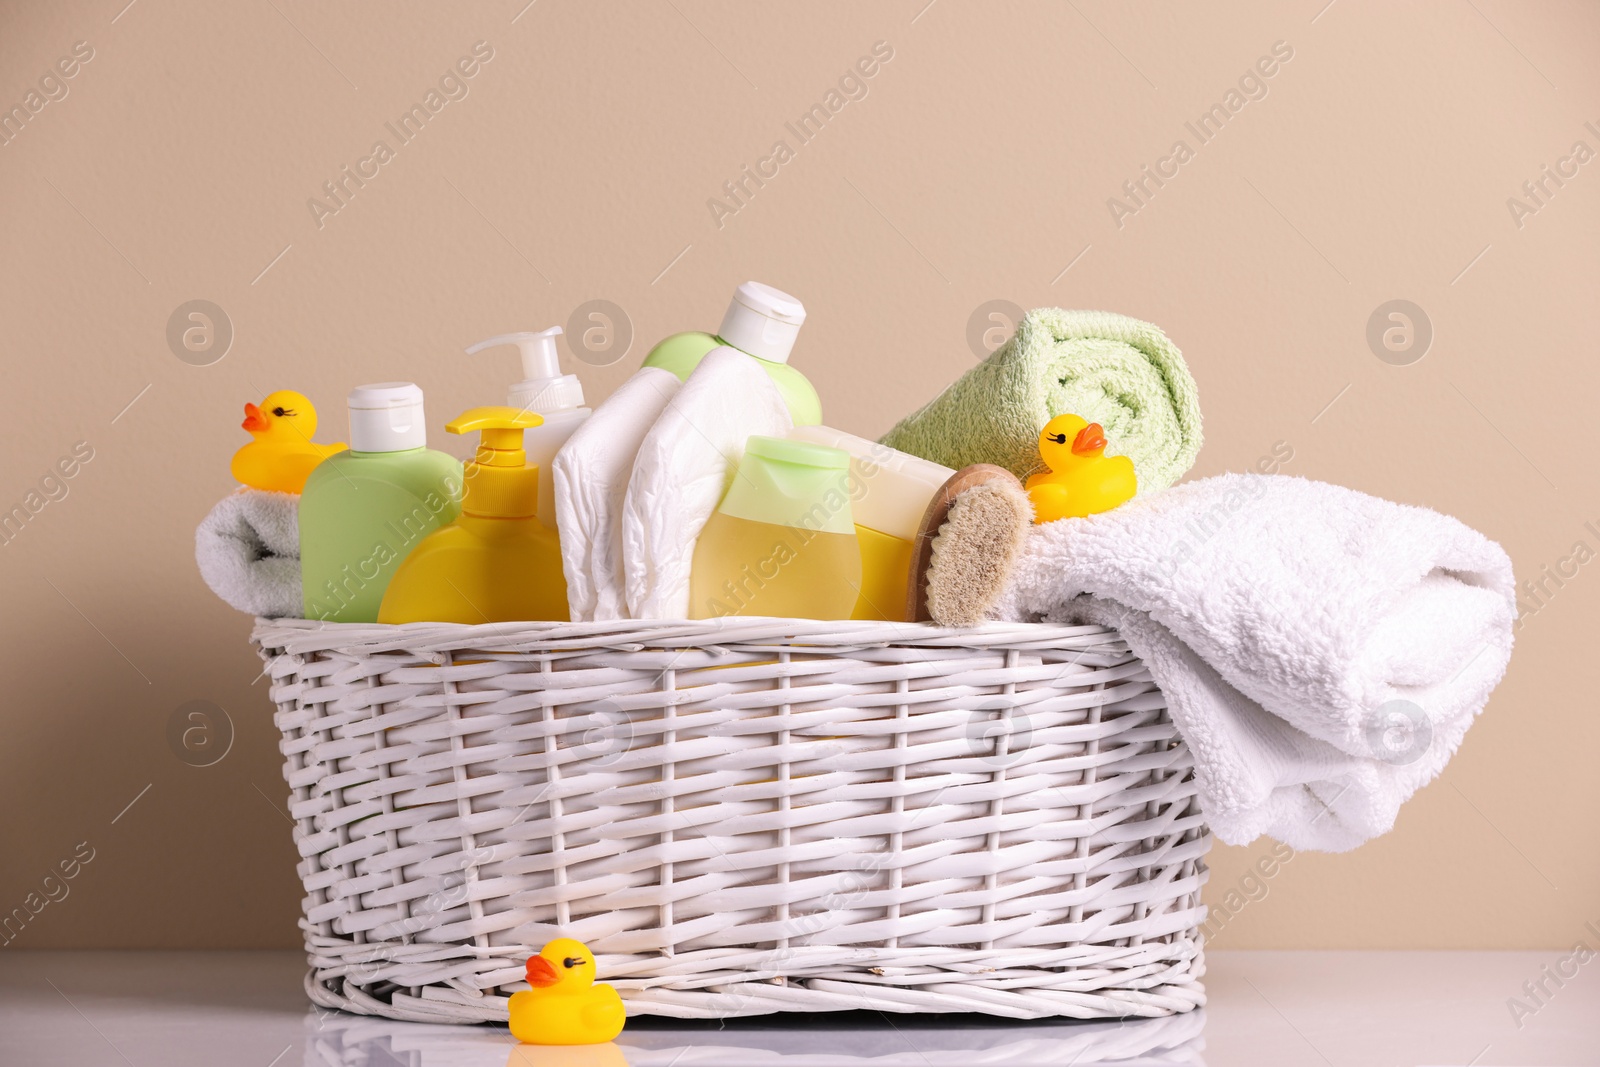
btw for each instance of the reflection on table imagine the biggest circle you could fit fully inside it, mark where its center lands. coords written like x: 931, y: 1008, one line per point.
x: 844, y: 1039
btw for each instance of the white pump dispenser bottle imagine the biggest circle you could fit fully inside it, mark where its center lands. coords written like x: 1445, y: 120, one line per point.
x: 545, y: 391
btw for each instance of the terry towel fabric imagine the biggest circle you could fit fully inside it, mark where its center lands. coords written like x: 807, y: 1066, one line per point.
x: 685, y: 464
x: 1108, y: 368
x: 248, y: 549
x: 590, y: 476
x: 1321, y: 651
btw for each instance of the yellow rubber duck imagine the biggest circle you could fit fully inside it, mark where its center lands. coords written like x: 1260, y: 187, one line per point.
x: 282, y: 455
x: 565, y: 1006
x: 1082, y: 479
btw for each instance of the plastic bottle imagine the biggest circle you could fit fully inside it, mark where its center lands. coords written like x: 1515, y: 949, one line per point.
x: 364, y: 510
x: 782, y: 542
x: 545, y: 391
x: 496, y: 562
x: 762, y: 322
x: 889, y: 493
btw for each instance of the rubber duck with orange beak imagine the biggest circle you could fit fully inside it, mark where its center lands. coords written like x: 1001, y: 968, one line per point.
x: 282, y: 454
x: 565, y: 1006
x: 1082, y: 479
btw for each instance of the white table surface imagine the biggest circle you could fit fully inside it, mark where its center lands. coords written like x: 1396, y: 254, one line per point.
x: 150, y: 1009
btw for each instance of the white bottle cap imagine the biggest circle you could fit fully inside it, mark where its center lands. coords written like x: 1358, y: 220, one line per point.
x: 762, y: 322
x: 544, y: 390
x: 387, y: 417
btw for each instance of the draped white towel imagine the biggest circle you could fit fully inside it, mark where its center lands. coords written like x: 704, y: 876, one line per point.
x: 1322, y: 651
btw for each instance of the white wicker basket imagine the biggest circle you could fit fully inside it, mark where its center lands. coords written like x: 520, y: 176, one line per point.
x: 740, y: 816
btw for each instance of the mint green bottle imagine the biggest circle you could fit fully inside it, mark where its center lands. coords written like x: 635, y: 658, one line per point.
x: 762, y: 322
x: 364, y: 510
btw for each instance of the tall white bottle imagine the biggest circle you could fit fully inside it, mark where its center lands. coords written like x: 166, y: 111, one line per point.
x: 545, y: 391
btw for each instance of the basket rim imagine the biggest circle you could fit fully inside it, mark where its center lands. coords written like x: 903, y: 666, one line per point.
x: 303, y: 636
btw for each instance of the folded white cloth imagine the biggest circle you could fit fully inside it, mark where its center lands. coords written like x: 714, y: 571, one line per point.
x: 591, y: 479
x: 685, y: 464
x: 248, y: 549
x: 1321, y: 651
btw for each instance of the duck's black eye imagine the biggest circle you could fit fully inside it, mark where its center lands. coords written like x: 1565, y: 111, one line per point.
x: 282, y: 412
x: 572, y: 961
x: 1058, y: 438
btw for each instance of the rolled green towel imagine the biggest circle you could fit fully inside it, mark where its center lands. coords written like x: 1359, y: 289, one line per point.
x: 1108, y: 368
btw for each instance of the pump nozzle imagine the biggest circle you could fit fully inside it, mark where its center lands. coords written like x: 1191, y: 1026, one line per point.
x: 544, y: 388
x: 499, y: 483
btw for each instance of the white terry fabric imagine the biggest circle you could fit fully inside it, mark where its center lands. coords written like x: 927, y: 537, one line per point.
x: 685, y: 464
x: 1321, y: 651
x: 590, y: 477
x: 248, y: 549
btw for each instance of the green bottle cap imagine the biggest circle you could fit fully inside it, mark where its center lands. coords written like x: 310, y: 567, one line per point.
x: 799, y: 453
x: 792, y: 483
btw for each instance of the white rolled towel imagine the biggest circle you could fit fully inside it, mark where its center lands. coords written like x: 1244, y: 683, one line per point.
x: 591, y: 479
x: 248, y: 549
x: 1321, y: 651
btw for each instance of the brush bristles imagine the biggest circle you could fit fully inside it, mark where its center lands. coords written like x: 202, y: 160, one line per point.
x: 975, y: 551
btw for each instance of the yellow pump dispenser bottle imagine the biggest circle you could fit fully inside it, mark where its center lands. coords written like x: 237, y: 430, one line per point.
x: 496, y: 562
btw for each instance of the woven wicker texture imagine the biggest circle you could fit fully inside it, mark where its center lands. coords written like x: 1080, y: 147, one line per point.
x: 740, y: 816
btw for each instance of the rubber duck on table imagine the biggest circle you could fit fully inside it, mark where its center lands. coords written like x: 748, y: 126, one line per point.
x: 1082, y: 479
x: 565, y: 1006
x: 282, y: 454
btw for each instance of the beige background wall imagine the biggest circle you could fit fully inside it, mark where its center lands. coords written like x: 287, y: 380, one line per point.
x: 977, y: 167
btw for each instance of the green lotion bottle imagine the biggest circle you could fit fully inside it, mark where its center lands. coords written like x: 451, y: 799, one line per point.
x: 762, y: 322
x: 364, y: 510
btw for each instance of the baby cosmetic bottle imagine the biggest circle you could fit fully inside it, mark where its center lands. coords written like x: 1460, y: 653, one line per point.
x: 363, y: 511
x: 782, y: 542
x: 496, y: 562
x: 555, y: 397
x: 889, y: 493
x: 762, y: 322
